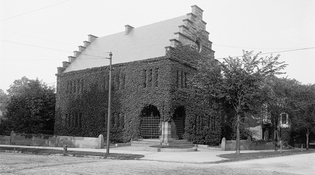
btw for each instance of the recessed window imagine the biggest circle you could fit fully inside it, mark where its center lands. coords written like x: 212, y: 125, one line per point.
x: 198, y: 45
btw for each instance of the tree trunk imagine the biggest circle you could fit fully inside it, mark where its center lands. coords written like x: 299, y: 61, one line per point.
x: 238, y: 134
x: 307, y: 138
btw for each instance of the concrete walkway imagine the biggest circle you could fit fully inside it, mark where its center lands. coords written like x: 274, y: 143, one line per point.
x: 203, y: 155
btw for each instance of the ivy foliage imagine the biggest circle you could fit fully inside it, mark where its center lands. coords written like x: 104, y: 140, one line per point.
x: 158, y: 82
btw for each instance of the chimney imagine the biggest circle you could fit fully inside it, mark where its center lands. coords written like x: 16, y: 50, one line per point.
x: 128, y: 29
x: 65, y: 64
x: 60, y: 70
x: 76, y: 53
x: 71, y: 59
x: 81, y: 48
x: 91, y: 38
x: 86, y: 43
x: 196, y: 11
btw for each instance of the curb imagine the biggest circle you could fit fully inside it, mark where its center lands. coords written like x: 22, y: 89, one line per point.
x: 77, y: 154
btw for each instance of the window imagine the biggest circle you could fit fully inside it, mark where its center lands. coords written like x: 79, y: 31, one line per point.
x: 122, y: 120
x: 156, y: 77
x: 74, y: 86
x: 82, y: 86
x: 284, y: 118
x: 123, y: 79
x: 185, y: 80
x: 73, y: 120
x: 80, y: 120
x: 150, y: 78
x: 177, y: 79
x: 112, y: 120
x: 67, y: 120
x: 182, y: 79
x: 117, y: 82
x: 117, y: 121
x: 67, y: 89
x: 78, y: 86
x: 70, y: 87
x: 198, y: 45
x: 144, y: 78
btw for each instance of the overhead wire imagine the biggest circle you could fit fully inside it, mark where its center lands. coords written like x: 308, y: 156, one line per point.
x: 33, y: 11
x: 96, y: 56
x: 101, y: 57
x: 281, y: 51
x: 246, y: 47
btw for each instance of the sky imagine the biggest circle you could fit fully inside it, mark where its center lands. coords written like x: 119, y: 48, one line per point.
x: 37, y: 35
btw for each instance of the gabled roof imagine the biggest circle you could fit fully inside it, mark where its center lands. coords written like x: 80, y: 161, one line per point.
x: 140, y: 43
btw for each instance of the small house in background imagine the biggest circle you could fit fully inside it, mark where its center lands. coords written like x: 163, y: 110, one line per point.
x: 151, y: 70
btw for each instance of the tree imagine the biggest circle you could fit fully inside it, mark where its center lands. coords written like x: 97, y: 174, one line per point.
x: 31, y: 107
x: 244, y: 83
x: 241, y: 84
x: 304, y: 109
x: 19, y: 86
x: 3, y: 103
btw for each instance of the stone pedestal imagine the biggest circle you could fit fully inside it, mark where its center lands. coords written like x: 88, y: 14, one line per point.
x: 166, y: 133
x: 100, y: 143
x: 223, y: 144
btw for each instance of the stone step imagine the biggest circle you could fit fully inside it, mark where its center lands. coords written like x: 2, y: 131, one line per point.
x: 151, y: 142
x: 145, y: 142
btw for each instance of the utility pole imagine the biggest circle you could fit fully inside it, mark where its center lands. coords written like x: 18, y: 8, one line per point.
x: 109, y: 102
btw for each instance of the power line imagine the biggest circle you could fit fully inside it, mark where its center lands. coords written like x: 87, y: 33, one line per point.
x: 34, y: 46
x: 242, y: 47
x: 47, y: 39
x: 307, y: 48
x: 39, y: 38
x: 33, y: 11
x: 96, y: 57
x: 100, y: 57
x: 282, y: 51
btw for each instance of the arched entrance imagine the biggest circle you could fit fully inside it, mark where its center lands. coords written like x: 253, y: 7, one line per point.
x: 179, y: 121
x: 149, y: 122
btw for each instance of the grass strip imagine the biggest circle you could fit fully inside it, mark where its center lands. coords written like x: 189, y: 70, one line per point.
x: 43, y: 151
x: 259, y: 155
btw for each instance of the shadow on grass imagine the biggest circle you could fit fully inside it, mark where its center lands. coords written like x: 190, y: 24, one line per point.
x: 43, y: 151
x: 259, y: 155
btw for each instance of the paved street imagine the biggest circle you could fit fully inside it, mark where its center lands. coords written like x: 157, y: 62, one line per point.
x: 11, y: 163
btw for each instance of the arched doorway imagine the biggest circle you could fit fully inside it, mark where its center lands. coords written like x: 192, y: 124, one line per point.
x: 179, y: 121
x: 149, y: 122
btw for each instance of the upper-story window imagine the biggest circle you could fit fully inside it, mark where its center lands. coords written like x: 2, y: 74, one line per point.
x: 284, y: 120
x: 181, y: 79
x: 150, y: 78
x: 74, y: 86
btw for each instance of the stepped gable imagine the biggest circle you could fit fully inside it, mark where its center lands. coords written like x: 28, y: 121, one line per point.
x: 142, y: 43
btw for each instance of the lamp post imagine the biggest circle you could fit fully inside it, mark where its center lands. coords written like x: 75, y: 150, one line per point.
x: 109, y: 102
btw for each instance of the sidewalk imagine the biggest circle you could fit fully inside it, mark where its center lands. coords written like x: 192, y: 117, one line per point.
x: 203, y: 155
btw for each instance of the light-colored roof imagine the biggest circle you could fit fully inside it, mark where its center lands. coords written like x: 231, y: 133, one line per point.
x: 141, y: 43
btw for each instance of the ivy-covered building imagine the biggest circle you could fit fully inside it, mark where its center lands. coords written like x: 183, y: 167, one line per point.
x: 150, y: 83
